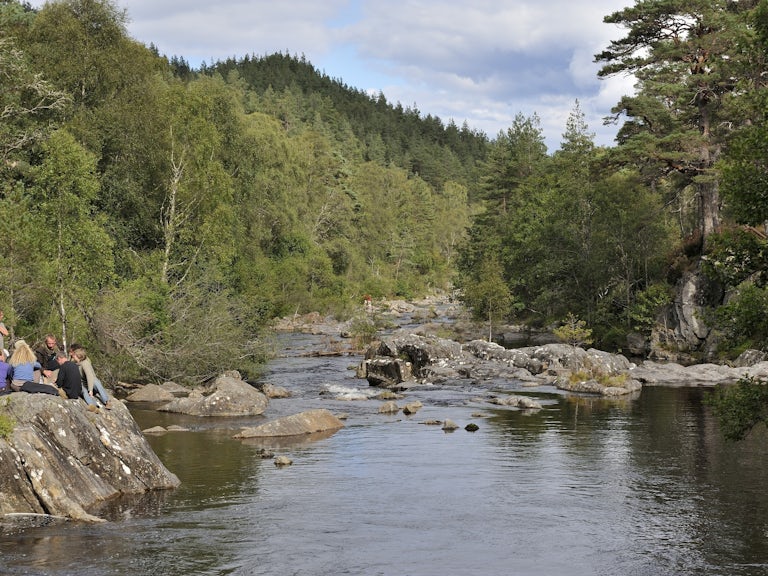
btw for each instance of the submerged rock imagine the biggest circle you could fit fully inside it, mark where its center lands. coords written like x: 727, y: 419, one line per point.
x: 449, y: 425
x: 389, y: 407
x: 60, y: 459
x: 283, y: 461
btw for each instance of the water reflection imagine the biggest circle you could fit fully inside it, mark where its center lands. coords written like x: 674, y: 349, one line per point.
x: 585, y: 486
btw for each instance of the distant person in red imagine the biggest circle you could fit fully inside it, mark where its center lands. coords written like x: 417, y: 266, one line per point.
x: 368, y: 302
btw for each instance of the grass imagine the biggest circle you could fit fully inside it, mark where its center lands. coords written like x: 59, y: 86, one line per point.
x: 612, y: 380
x: 6, y: 426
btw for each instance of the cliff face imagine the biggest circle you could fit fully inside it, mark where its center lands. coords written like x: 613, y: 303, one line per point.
x: 62, y: 459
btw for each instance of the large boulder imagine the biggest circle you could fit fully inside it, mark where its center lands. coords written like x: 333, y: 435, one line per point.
x: 307, y: 422
x: 227, y: 396
x: 685, y: 335
x: 517, y: 357
x: 387, y: 372
x: 398, y: 359
x: 420, y: 351
x: 60, y: 459
x: 158, y: 393
x: 750, y: 358
x: 556, y: 357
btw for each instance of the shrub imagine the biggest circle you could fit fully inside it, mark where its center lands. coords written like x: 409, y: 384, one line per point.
x: 615, y: 380
x: 6, y: 426
x: 734, y: 255
x: 648, y: 304
x: 740, y: 408
x: 742, y: 320
x: 574, y: 331
x: 363, y: 330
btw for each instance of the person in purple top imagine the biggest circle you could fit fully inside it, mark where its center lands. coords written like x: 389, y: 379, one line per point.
x: 5, y: 372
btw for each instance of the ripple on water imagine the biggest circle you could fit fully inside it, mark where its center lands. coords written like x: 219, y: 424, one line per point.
x: 581, y: 487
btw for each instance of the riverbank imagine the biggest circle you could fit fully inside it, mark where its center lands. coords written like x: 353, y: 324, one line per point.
x: 441, y: 319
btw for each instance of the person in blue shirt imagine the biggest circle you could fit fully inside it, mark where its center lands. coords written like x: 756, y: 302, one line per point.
x: 24, y: 363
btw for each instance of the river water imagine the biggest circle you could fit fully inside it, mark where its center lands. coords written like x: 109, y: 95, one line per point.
x: 585, y: 486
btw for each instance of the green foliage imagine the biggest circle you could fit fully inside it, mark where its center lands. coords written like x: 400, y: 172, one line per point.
x: 578, y: 235
x: 734, y: 255
x: 574, y: 331
x: 648, y: 304
x: 188, y: 337
x: 488, y: 295
x: 364, y: 328
x: 742, y: 320
x: 165, y: 208
x: 745, y: 171
x: 28, y: 102
x: 7, y: 425
x: 163, y: 214
x: 693, y: 70
x: 740, y: 407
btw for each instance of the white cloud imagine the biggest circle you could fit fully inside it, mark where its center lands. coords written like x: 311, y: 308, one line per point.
x: 482, y: 61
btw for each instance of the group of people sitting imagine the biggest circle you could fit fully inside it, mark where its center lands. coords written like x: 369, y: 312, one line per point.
x: 51, y: 370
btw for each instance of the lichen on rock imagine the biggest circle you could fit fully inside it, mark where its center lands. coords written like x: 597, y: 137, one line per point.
x: 60, y: 459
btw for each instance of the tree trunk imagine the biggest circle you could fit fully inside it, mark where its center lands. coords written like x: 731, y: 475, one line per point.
x: 709, y: 201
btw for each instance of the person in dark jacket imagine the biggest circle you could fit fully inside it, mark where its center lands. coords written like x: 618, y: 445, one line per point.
x: 46, y: 355
x: 68, y: 377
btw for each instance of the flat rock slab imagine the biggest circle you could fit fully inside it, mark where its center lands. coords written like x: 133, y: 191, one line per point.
x: 307, y: 422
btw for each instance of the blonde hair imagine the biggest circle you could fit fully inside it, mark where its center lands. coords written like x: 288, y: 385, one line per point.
x: 22, y: 354
x: 80, y: 354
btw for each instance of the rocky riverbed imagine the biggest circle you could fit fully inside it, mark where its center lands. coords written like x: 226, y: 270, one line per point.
x: 57, y: 459
x: 433, y: 340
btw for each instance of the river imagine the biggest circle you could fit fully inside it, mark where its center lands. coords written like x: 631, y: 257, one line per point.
x: 585, y: 486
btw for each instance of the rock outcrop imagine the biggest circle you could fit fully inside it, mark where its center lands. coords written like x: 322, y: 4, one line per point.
x: 400, y: 362
x: 158, y: 393
x: 672, y: 374
x: 229, y: 395
x: 60, y: 459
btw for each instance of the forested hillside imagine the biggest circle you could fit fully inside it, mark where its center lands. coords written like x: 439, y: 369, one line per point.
x: 162, y: 215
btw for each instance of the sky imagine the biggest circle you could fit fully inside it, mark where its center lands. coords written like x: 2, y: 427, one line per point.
x: 476, y: 61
